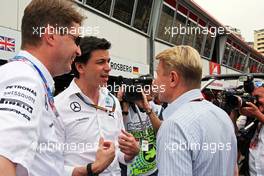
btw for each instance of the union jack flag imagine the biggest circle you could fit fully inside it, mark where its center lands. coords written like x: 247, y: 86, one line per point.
x: 7, y: 44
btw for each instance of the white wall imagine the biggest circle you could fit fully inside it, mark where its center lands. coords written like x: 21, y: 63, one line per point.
x: 9, y: 14
x: 22, y: 5
x: 159, y: 47
x: 225, y: 70
x: 205, y: 67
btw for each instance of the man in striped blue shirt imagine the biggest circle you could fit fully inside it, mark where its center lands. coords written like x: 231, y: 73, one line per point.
x: 196, y: 138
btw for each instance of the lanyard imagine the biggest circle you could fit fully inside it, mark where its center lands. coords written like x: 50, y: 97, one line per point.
x: 96, y: 106
x: 45, y: 82
x: 144, y: 127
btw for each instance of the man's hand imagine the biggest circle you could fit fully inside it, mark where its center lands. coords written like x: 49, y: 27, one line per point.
x: 250, y: 110
x: 146, y: 105
x: 259, y: 92
x: 120, y: 93
x: 128, y: 145
x: 7, y: 167
x: 144, y: 102
x: 104, y: 156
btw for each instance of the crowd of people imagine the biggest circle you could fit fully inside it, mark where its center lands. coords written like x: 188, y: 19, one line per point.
x: 87, y: 130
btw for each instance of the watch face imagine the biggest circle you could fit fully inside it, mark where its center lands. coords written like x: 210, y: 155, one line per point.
x: 148, y: 111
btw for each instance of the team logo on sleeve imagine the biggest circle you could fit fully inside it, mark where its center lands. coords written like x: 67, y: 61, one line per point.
x: 16, y: 103
x: 75, y: 106
x: 16, y: 106
x: 108, y: 102
x: 19, y: 87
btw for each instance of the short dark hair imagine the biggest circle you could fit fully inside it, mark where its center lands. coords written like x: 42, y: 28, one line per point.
x: 89, y: 44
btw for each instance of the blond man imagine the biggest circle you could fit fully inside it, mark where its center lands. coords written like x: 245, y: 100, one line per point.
x: 196, y: 137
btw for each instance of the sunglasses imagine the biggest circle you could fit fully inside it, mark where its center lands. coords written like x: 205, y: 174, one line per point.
x: 77, y: 39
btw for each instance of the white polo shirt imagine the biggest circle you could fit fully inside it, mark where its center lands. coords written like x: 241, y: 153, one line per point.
x: 26, y: 121
x: 80, y: 126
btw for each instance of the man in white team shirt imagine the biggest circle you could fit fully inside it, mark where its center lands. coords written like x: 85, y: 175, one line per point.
x: 26, y: 86
x: 90, y: 113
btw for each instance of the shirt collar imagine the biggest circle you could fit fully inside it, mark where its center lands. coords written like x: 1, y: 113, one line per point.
x: 183, y: 99
x: 73, y: 89
x: 42, y: 67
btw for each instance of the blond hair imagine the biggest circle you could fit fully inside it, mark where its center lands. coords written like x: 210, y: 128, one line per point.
x: 40, y: 13
x: 186, y: 61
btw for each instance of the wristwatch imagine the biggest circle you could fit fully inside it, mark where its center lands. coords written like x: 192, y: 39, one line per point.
x: 89, y: 170
x: 124, y: 113
x: 148, y: 111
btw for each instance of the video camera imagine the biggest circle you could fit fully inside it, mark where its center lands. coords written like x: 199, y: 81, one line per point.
x: 133, y: 87
x: 238, y: 97
x: 235, y: 98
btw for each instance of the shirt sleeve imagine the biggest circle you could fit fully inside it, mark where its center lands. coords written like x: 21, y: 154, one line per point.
x: 119, y: 114
x: 120, y: 155
x: 156, y: 108
x: 21, y: 101
x: 172, y: 155
x: 121, y: 158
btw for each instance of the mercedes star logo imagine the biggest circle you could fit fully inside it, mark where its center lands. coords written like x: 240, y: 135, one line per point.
x: 75, y: 106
